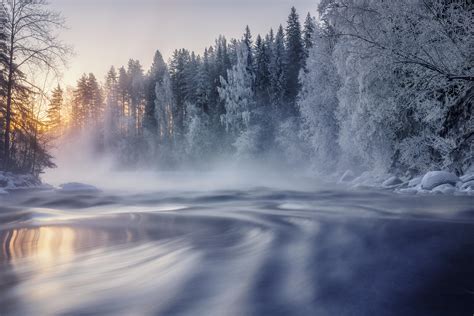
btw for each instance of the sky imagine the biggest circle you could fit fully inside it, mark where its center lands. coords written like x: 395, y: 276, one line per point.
x: 110, y: 32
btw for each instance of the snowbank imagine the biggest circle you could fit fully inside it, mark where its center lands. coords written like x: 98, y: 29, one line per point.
x: 11, y: 181
x: 439, y: 182
x: 75, y: 187
x: 433, y: 182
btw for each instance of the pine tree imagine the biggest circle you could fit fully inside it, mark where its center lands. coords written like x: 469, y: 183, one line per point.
x: 247, y: 41
x: 96, y: 101
x: 178, y: 66
x: 278, y: 70
x: 262, y: 71
x: 164, y: 110
x: 54, y: 110
x: 87, y: 108
x: 136, y: 93
x: 308, y: 33
x: 79, y: 106
x: 112, y: 109
x: 155, y: 75
x: 295, y: 58
x: 123, y: 97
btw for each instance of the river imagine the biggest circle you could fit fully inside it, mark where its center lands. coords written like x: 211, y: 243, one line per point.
x: 243, y: 251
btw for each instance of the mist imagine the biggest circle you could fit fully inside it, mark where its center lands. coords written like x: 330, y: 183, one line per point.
x: 105, y: 171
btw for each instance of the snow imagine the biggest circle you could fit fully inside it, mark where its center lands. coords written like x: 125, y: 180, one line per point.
x: 11, y: 181
x: 467, y: 178
x: 75, y: 187
x: 392, y: 181
x: 415, y: 182
x: 469, y: 185
x: 436, y: 178
x: 444, y: 189
x: 347, y: 176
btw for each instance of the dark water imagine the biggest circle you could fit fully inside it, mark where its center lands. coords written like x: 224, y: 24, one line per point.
x: 245, y: 252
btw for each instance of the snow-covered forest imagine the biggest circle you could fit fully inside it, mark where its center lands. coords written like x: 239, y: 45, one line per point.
x: 365, y: 85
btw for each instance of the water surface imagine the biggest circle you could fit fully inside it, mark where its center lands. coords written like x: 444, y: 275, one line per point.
x: 257, y: 251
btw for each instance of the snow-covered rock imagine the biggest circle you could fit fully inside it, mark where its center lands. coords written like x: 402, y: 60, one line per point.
x: 434, y: 179
x: 467, y: 177
x: 408, y: 191
x: 392, y: 181
x: 414, y: 182
x: 348, y: 176
x: 78, y: 187
x: 444, y: 189
x: 469, y: 185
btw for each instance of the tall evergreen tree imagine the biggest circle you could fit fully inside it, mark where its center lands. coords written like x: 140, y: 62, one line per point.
x: 278, y: 74
x: 136, y: 93
x: 262, y: 71
x: 178, y: 66
x: 54, y: 110
x: 155, y: 75
x: 112, y: 109
x: 247, y: 40
x: 295, y: 58
x: 308, y: 33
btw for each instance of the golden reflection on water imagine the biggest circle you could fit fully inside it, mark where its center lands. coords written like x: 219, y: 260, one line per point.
x: 44, y: 245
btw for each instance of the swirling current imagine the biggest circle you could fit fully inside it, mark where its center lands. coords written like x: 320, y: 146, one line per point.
x: 257, y: 251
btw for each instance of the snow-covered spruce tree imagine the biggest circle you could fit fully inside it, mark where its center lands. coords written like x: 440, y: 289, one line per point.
x: 151, y: 127
x: 248, y: 44
x: 136, y: 81
x: 164, y: 104
x: 239, y: 100
x: 278, y: 71
x: 154, y: 75
x: 262, y: 71
x: 309, y: 29
x: 112, y: 111
x: 295, y: 55
x: 318, y: 103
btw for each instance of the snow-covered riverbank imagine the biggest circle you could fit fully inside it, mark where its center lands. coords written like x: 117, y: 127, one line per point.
x: 11, y: 181
x: 433, y: 182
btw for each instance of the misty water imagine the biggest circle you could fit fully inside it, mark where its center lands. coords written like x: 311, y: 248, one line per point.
x: 225, y: 246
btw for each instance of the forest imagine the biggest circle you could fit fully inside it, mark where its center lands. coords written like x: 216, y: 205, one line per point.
x: 385, y: 86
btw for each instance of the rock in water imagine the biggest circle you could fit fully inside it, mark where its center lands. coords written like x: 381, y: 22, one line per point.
x: 392, y: 181
x: 445, y: 189
x: 78, y: 187
x: 414, y: 182
x: 436, y: 178
x: 468, y: 185
x: 467, y: 177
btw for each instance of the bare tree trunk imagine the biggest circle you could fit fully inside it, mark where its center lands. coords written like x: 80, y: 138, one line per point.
x: 8, y: 116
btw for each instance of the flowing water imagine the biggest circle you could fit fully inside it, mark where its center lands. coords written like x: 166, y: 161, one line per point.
x: 248, y: 251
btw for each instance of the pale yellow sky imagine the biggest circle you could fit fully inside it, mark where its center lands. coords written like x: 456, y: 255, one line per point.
x: 109, y: 32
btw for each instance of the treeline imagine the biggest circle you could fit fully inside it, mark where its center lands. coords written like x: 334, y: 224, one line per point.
x: 371, y: 85
x: 28, y: 47
x: 378, y: 85
x: 231, y: 99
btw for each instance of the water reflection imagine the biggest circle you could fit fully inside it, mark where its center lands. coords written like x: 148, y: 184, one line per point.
x: 43, y: 245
